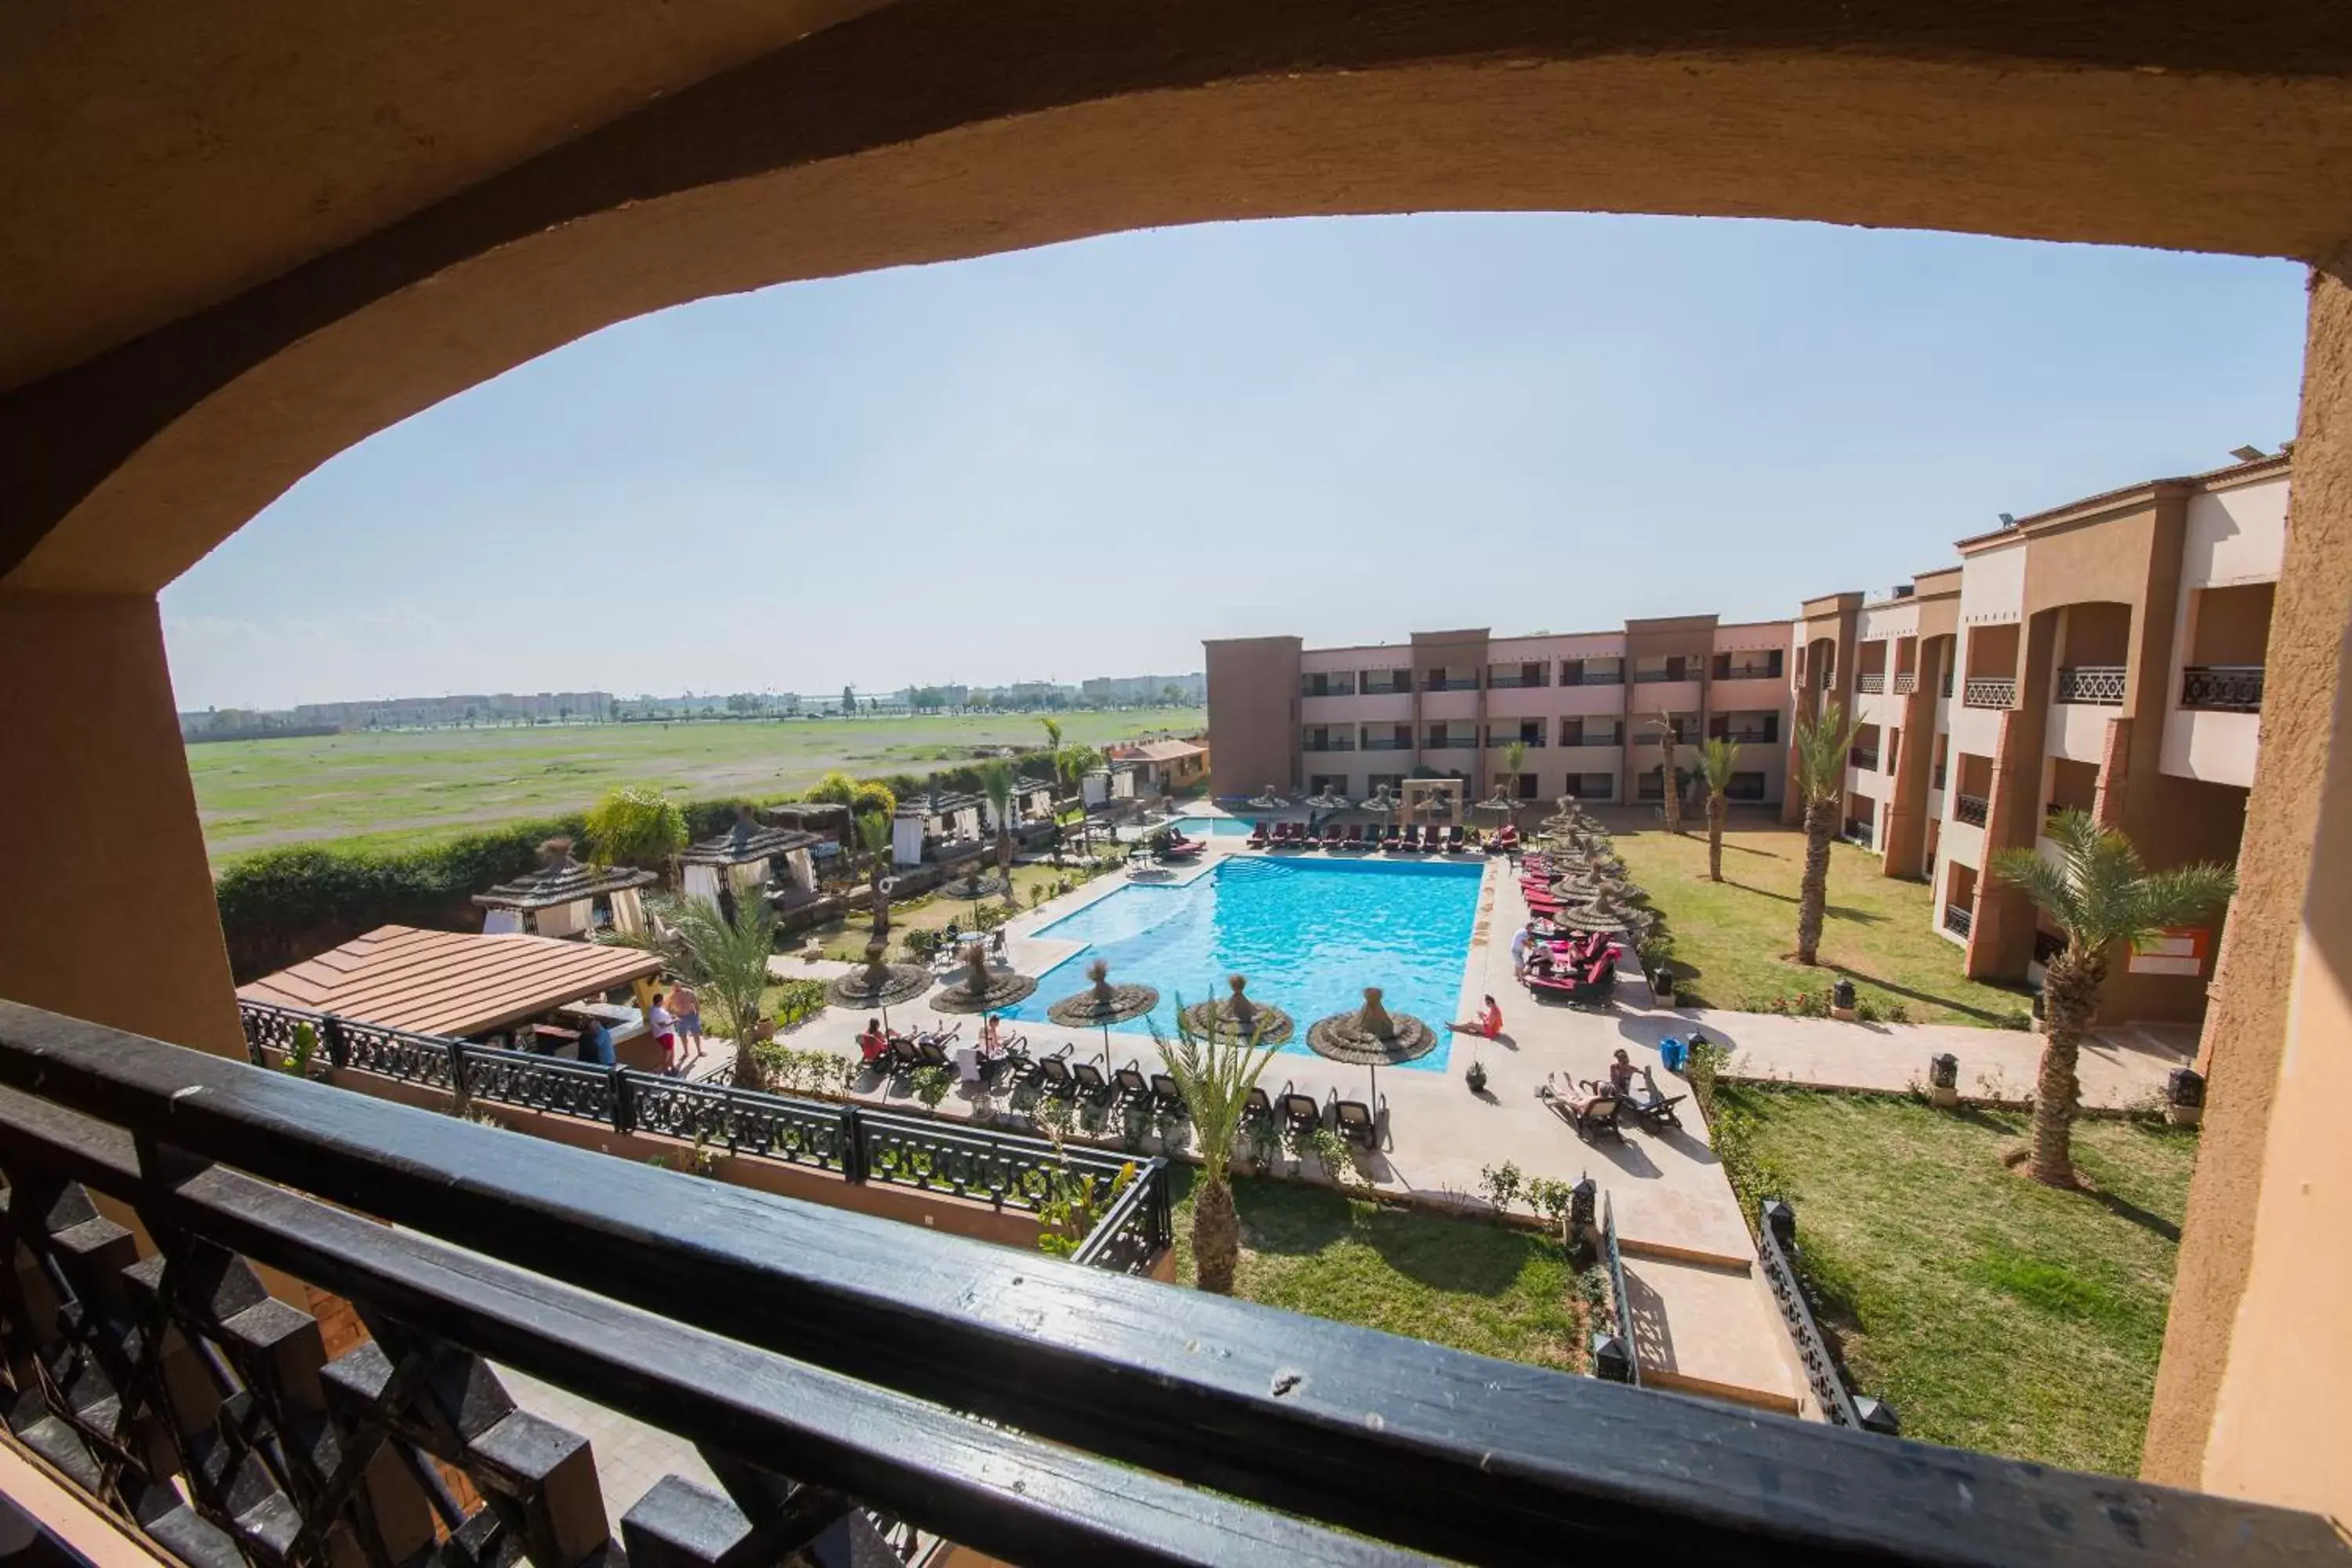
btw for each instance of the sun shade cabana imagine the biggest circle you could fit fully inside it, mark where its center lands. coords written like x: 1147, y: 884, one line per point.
x: 743, y: 854
x: 451, y: 983
x: 560, y: 899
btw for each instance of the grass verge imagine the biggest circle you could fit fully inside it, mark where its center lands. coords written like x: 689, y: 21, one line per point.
x: 1457, y: 1282
x: 1730, y: 936
x: 1992, y: 1313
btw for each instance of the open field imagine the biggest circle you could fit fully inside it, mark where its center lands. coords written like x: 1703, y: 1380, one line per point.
x: 1991, y: 1312
x: 397, y: 789
x: 1731, y: 937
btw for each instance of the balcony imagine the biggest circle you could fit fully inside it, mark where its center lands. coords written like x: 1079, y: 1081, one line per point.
x: 1748, y: 672
x: 1327, y: 743
x: 1387, y: 689
x: 2101, y: 684
x: 1751, y: 737
x: 1863, y: 757
x: 859, y: 1387
x: 1871, y: 684
x: 1386, y: 743
x: 1460, y: 741
x: 1989, y: 691
x: 1661, y: 677
x: 1972, y: 809
x: 1906, y: 683
x: 1593, y: 677
x: 1316, y: 687
x: 1450, y: 683
x: 1515, y: 680
x: 1533, y: 742
x: 2222, y: 687
x: 1957, y: 918
x: 1827, y: 680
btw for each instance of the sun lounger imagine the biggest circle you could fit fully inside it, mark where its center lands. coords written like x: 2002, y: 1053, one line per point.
x: 1300, y: 1113
x: 1258, y: 1108
x: 1455, y: 840
x: 1657, y: 1112
x: 1409, y: 838
x: 1166, y: 1098
x: 1391, y: 837
x: 1257, y: 838
x: 1358, y: 1122
x: 1092, y: 1087
x: 1027, y: 1068
x: 1333, y: 837
x: 1596, y: 1116
x: 1054, y: 1076
x: 1354, y: 838
x: 1129, y: 1082
x: 931, y: 1053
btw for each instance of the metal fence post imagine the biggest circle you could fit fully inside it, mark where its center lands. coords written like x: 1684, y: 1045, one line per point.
x: 457, y: 1069
x: 331, y: 1032
x: 625, y: 1104
x: 853, y: 1144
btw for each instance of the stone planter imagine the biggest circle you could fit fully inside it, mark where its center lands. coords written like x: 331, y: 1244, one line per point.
x: 1842, y: 1014
x: 1944, y: 1080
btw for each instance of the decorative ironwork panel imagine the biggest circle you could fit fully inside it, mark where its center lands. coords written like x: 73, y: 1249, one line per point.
x: 1778, y: 1225
x: 1958, y: 919
x: 1906, y: 683
x: 269, y: 1031
x: 1863, y: 757
x: 1136, y: 1228
x: 1988, y: 691
x: 1972, y: 809
x: 1872, y: 684
x: 412, y: 1058
x: 542, y: 1083
x: 1620, y: 1299
x: 1006, y: 1172
x: 2222, y: 687
x: 2100, y: 684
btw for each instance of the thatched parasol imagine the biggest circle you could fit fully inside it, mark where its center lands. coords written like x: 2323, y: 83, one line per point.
x: 878, y: 985
x: 1372, y: 1036
x: 1102, y: 1004
x: 982, y: 989
x: 1235, y: 1017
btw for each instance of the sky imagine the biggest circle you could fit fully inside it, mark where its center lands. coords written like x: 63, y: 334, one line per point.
x: 1084, y: 459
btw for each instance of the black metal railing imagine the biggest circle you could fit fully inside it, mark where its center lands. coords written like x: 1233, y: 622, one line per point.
x: 1989, y: 691
x: 2099, y: 684
x: 1593, y: 677
x: 1399, y: 687
x: 1828, y: 680
x: 1657, y: 677
x: 2222, y: 687
x: 857, y: 1142
x: 1972, y: 809
x: 1863, y: 757
x: 1625, y: 1364
x: 1957, y: 918
x: 1326, y: 689
x: 1749, y: 672
x: 1497, y: 741
x: 1327, y: 743
x: 1437, y: 740
x: 1386, y: 743
x: 1936, y: 777
x: 1515, y: 681
x: 1872, y: 683
x: 1751, y: 737
x: 1906, y: 681
x: 1136, y: 1229
x: 1777, y: 1225
x: 837, y: 1368
x: 2047, y: 945
x: 1450, y: 683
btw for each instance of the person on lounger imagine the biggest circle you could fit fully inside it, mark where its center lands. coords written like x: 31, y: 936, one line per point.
x: 1567, y: 1094
x: 873, y: 1045
x: 1620, y: 1074
x: 1489, y: 1023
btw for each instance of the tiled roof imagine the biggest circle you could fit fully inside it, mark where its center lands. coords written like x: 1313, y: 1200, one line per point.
x: 450, y: 983
x: 1156, y: 751
x: 564, y: 884
x: 761, y: 844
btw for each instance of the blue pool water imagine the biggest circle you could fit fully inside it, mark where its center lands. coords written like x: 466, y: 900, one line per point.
x: 1213, y: 827
x: 1310, y: 935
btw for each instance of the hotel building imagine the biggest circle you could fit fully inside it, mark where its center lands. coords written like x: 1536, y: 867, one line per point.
x: 2107, y: 655
x: 1593, y: 708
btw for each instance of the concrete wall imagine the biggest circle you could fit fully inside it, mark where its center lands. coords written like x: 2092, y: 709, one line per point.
x: 1253, y: 712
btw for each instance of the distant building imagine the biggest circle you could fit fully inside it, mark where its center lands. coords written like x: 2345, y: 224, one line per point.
x: 1135, y: 690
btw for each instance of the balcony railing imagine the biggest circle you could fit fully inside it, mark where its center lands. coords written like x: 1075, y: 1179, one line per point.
x: 1776, y: 1224
x: 1989, y: 691
x: 1749, y: 672
x: 1386, y: 743
x: 1751, y: 737
x: 1619, y: 1361
x: 2099, y: 684
x: 1441, y: 742
x: 1586, y: 738
x: 1533, y: 742
x: 1388, y: 688
x: 1863, y: 757
x: 2222, y: 687
x: 1947, y: 683
x: 1327, y: 743
x: 1972, y: 809
x: 1858, y: 833
x: 1515, y: 680
x: 1906, y: 681
x: 1957, y: 918
x: 1451, y: 683
x: 1593, y: 677
x: 1827, y: 680
x: 859, y: 1143
x: 1655, y: 677
x: 1872, y: 684
x: 1326, y: 689
x: 843, y: 1374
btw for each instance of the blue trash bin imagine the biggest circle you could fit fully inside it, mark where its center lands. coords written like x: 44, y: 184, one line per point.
x: 1672, y: 1054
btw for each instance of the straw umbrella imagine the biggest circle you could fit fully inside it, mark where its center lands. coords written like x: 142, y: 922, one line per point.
x: 982, y: 989
x: 878, y: 985
x: 1239, y: 1018
x: 1267, y: 800
x: 1372, y: 1036
x: 1102, y: 1004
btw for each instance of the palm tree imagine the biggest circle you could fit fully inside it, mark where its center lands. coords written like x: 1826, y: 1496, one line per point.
x: 1671, y: 781
x: 1515, y: 757
x: 2102, y: 897
x: 1721, y: 757
x: 996, y: 784
x: 728, y: 963
x: 1821, y: 744
x: 874, y: 833
x: 1214, y: 1078
x: 634, y: 825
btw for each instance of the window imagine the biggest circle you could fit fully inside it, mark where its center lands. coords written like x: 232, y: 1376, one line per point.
x: 1525, y: 783
x: 1651, y: 785
x: 1385, y: 682
x: 1322, y: 685
x: 1596, y: 786
x: 1745, y: 786
x: 1750, y: 663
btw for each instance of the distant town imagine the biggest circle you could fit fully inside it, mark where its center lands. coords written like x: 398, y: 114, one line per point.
x: 492, y: 709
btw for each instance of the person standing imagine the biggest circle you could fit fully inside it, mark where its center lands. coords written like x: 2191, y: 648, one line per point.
x: 1520, y: 940
x: 596, y: 1042
x: 663, y: 1024
x: 689, y: 1008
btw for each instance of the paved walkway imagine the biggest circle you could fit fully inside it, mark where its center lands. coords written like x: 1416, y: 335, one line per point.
x: 2121, y: 1069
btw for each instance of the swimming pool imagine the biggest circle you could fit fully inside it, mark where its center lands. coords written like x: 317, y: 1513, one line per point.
x: 1310, y: 935
x: 1213, y: 827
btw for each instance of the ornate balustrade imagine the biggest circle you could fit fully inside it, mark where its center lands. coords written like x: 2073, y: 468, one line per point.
x: 1972, y: 809
x: 1871, y: 684
x: 1777, y: 1224
x: 1988, y: 691
x: 1958, y: 919
x: 1905, y: 683
x: 1005, y: 1170
x: 1863, y: 757
x: 1623, y: 1361
x: 842, y: 1377
x: 2222, y: 687
x: 2100, y: 685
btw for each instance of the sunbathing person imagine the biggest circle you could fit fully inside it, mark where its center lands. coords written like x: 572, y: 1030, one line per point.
x: 1568, y: 1095
x: 873, y: 1044
x: 1620, y: 1073
x: 1489, y: 1022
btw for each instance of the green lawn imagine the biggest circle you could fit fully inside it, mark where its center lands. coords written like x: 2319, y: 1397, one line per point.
x: 1457, y: 1282
x: 845, y: 939
x: 394, y: 790
x: 1990, y: 1311
x: 1731, y: 938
